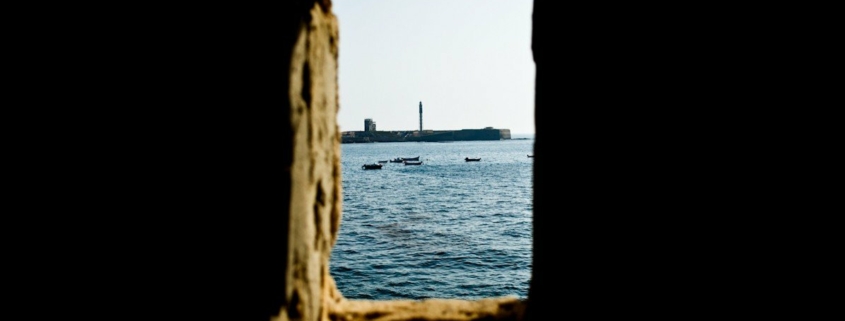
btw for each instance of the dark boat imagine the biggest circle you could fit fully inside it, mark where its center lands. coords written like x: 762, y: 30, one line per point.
x: 396, y: 160
x: 411, y: 158
x: 371, y: 166
x: 472, y: 159
x: 382, y: 162
x: 532, y: 156
x: 413, y: 163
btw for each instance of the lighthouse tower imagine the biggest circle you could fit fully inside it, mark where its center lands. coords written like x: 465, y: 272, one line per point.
x: 420, y: 116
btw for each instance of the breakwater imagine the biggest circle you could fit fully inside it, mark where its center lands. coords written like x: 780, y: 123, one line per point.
x: 425, y: 135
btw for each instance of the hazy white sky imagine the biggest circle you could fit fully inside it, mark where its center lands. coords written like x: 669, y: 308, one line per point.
x: 468, y: 61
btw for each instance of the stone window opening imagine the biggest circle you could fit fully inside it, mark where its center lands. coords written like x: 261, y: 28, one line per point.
x: 316, y: 202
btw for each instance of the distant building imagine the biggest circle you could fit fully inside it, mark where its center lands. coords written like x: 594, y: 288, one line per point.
x: 426, y: 135
x: 421, y: 116
x: 371, y: 135
x: 369, y: 125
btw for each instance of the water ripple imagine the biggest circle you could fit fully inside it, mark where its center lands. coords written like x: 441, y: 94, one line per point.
x: 445, y: 229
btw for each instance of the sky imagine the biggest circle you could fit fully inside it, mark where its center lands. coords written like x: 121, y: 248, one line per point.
x: 468, y: 61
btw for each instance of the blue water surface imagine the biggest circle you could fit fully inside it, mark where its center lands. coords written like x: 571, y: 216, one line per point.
x: 444, y: 229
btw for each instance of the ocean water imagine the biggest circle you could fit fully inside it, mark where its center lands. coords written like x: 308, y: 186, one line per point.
x: 444, y: 229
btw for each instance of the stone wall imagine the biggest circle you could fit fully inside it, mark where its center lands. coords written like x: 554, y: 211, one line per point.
x: 315, y: 200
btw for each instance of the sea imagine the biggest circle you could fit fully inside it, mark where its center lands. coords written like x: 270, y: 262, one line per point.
x: 447, y: 229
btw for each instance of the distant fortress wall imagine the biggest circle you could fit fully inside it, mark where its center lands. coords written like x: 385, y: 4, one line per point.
x: 464, y: 134
x: 488, y: 133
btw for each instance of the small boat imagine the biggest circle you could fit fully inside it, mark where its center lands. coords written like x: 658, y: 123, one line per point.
x: 371, y: 166
x: 472, y: 159
x: 411, y: 158
x: 382, y: 162
x: 413, y: 162
x: 396, y: 160
x: 531, y: 156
